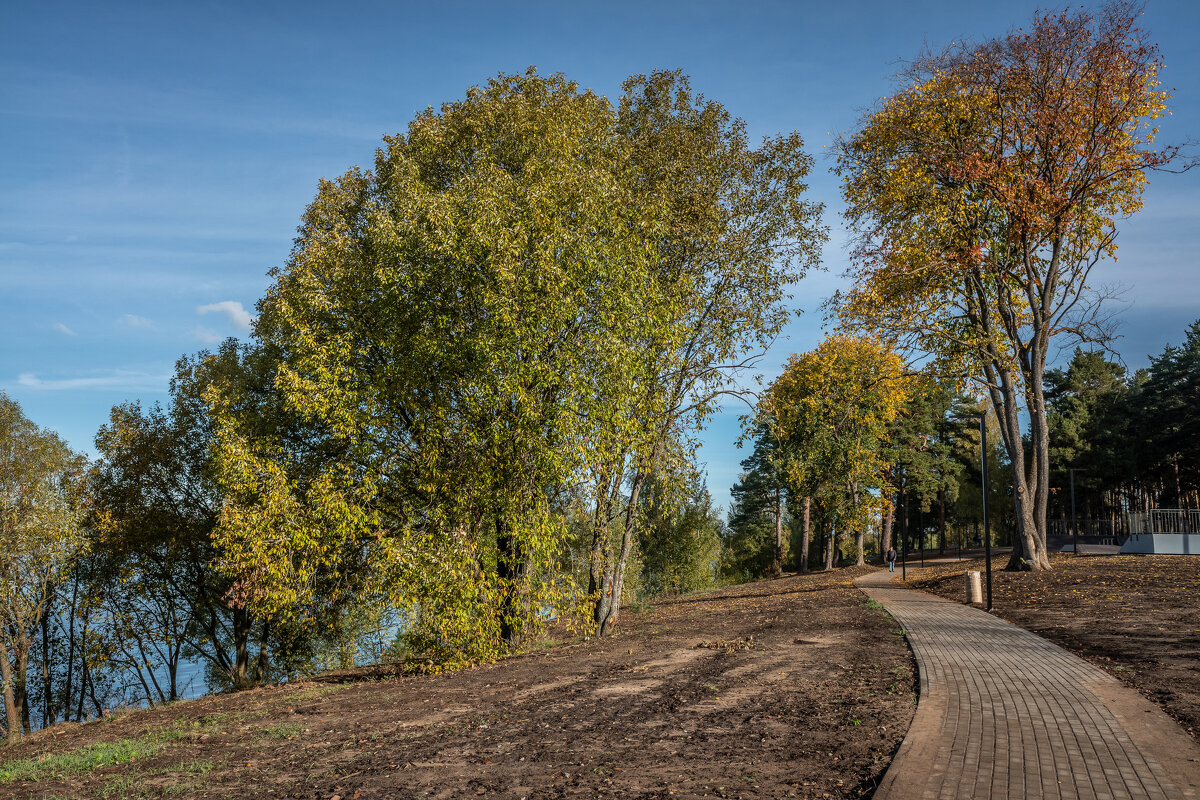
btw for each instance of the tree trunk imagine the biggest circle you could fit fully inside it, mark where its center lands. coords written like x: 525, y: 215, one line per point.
x: 83, y: 670
x: 69, y: 689
x: 21, y: 683
x: 777, y: 561
x: 600, y: 567
x: 241, y: 644
x: 805, y: 529
x: 627, y: 537
x: 885, y: 526
x: 941, y: 522
x: 48, y: 711
x: 12, y: 720
x: 512, y: 567
x: 830, y: 543
x: 1029, y: 542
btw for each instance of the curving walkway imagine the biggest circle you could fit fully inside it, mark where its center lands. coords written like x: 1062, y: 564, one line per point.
x: 1003, y: 713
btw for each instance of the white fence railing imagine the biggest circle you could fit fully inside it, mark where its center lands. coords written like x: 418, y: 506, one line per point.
x: 1164, y: 520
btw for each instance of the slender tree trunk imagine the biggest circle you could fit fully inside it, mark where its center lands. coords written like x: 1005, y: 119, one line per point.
x: 1029, y: 542
x: 48, y: 710
x: 1040, y: 439
x: 512, y: 568
x: 805, y: 530
x: 600, y: 566
x: 69, y: 689
x: 830, y: 544
x: 627, y: 539
x: 941, y: 522
x: 12, y: 720
x: 859, y: 533
x: 241, y: 646
x: 885, y: 526
x: 777, y: 561
x: 96, y: 704
x: 21, y: 682
x: 83, y: 671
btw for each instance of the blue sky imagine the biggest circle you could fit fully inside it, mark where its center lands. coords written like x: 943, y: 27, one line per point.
x: 155, y: 157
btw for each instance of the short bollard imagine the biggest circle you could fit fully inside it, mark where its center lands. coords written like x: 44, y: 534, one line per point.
x: 974, y: 587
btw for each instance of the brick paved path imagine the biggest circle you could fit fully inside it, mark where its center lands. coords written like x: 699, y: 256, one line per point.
x: 1004, y: 713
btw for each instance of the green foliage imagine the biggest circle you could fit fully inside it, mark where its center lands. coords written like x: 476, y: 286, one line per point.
x: 155, y: 506
x: 1081, y: 401
x: 735, y: 234
x: 454, y: 332
x: 531, y: 292
x: 1130, y: 438
x: 41, y: 494
x: 755, y: 517
x: 831, y: 411
x: 923, y: 440
x: 678, y: 534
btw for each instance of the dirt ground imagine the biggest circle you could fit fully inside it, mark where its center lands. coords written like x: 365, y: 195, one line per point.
x: 1138, y: 617
x: 796, y: 687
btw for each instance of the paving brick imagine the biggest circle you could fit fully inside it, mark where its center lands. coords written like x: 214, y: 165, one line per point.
x: 1003, y: 713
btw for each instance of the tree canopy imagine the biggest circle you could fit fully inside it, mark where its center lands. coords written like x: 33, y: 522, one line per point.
x: 531, y: 292
x: 830, y: 411
x: 984, y: 192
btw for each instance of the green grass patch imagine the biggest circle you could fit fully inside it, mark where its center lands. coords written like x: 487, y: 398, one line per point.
x: 284, y: 730
x: 104, y: 754
x: 83, y: 759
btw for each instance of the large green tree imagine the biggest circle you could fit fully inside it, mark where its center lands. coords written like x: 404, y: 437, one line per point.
x: 984, y: 192
x: 1080, y: 402
x: 1170, y: 403
x: 464, y: 328
x: 830, y: 412
x: 156, y: 501
x: 40, y: 536
x: 756, y: 518
x: 679, y: 543
x: 921, y: 455
x: 736, y: 233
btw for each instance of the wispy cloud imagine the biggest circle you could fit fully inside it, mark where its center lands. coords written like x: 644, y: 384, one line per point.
x: 123, y: 380
x: 207, y: 336
x: 58, y: 326
x: 134, y: 321
x: 238, y: 316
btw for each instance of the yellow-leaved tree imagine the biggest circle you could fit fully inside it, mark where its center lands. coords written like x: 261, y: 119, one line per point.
x: 830, y: 413
x: 983, y: 193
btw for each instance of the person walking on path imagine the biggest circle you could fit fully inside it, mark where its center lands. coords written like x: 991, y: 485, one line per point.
x: 891, y: 559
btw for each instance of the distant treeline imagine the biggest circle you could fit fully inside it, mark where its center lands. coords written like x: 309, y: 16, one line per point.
x: 1132, y: 440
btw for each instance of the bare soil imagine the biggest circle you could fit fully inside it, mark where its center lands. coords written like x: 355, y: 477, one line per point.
x: 1137, y: 617
x: 795, y: 687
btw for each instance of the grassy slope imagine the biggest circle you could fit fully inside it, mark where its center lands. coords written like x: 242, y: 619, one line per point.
x: 791, y: 687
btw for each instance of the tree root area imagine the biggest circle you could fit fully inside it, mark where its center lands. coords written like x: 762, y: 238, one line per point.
x: 792, y: 687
